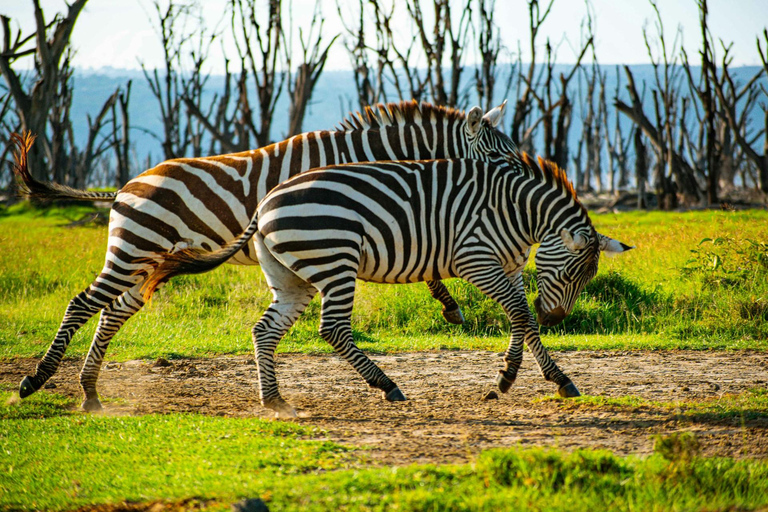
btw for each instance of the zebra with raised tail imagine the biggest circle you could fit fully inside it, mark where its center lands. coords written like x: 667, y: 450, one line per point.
x: 202, y: 203
x: 404, y: 222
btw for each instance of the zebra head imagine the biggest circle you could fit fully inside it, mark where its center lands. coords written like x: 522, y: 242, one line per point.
x: 565, y: 262
x: 486, y: 141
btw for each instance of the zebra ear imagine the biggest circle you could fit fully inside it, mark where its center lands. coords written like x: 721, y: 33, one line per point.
x: 474, y: 120
x: 611, y: 246
x: 495, y: 115
x: 573, y: 242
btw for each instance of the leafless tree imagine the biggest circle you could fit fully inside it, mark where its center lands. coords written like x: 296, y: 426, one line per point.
x: 34, y: 103
x: 520, y: 132
x: 259, y: 47
x: 302, y: 83
x: 730, y: 95
x: 171, y: 85
x: 429, y: 65
x: 121, y: 136
x: 673, y: 174
x: 489, y: 46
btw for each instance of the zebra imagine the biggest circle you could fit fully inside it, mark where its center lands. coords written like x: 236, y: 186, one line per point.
x: 204, y: 202
x: 405, y: 222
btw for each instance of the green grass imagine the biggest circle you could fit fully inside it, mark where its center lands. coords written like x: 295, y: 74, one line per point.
x: 750, y: 405
x: 665, y: 294
x: 52, y: 458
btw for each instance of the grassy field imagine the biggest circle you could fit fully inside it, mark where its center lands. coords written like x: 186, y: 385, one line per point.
x: 88, y: 460
x: 696, y: 280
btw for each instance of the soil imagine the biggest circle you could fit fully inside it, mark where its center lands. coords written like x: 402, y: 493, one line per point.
x: 447, y: 418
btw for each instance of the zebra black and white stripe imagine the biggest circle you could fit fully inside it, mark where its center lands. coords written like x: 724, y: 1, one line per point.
x: 203, y: 203
x: 404, y: 222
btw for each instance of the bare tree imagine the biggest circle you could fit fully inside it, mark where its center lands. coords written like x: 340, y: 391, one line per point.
x: 169, y: 86
x: 673, y: 174
x: 641, y: 168
x: 258, y: 45
x: 520, y: 132
x: 34, y: 103
x: 369, y: 77
x: 703, y: 91
x: 489, y: 46
x: 616, y: 144
x: 301, y: 86
x: 439, y: 46
x: 729, y: 96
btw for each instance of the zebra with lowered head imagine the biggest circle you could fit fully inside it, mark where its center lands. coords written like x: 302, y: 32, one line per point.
x: 404, y: 222
x: 202, y: 203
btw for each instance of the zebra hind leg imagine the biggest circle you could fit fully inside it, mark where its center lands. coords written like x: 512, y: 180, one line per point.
x: 291, y: 294
x: 285, y: 309
x: 80, y: 309
x: 112, y: 319
x: 335, y: 328
x: 451, y: 310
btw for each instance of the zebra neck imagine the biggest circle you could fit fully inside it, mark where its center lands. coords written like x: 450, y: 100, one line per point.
x: 542, y: 208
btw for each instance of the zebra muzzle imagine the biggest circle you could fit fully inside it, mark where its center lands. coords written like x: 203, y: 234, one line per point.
x: 548, y: 318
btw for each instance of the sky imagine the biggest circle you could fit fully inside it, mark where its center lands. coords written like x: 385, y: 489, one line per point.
x: 120, y: 34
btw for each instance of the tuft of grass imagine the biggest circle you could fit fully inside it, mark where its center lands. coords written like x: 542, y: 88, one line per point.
x: 39, y: 405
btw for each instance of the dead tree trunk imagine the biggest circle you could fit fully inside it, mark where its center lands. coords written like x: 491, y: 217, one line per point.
x: 122, y: 142
x: 641, y: 168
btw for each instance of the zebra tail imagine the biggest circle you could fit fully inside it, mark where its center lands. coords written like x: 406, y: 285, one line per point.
x: 194, y: 260
x: 31, y: 188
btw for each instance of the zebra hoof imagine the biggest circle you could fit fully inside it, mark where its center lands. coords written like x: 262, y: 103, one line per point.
x: 568, y: 390
x: 282, y: 408
x: 28, y: 386
x: 453, y: 316
x: 395, y: 396
x: 91, y: 405
x: 286, y: 413
x: 503, y: 382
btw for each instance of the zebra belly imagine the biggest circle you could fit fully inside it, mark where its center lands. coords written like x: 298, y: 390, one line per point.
x: 426, y: 271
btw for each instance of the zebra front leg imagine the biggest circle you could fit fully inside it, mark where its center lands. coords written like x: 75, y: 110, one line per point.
x: 80, y: 309
x: 451, y: 310
x: 548, y: 367
x: 335, y: 328
x: 491, y: 280
x: 112, y: 319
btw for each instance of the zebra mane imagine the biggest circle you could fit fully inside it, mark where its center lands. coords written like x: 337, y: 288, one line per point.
x: 549, y: 171
x: 404, y: 112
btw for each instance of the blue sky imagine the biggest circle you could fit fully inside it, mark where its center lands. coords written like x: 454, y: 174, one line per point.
x: 118, y: 33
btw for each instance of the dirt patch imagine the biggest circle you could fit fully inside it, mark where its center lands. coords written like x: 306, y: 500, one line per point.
x: 446, y: 419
